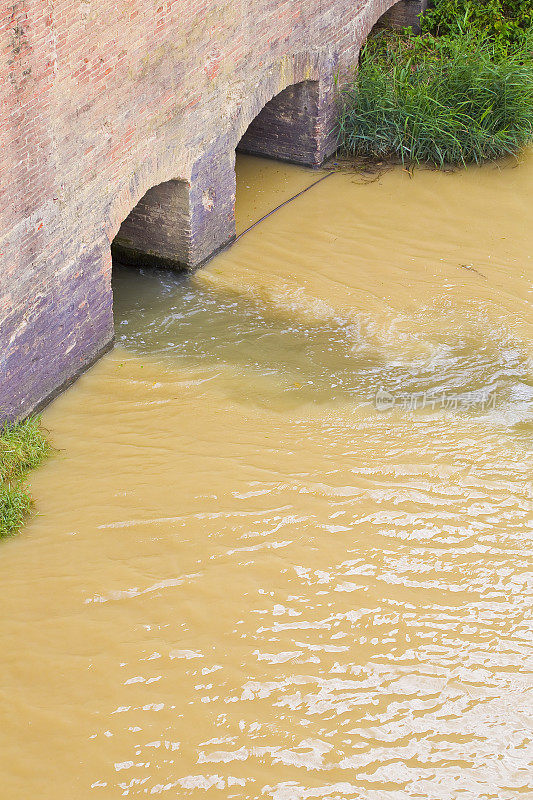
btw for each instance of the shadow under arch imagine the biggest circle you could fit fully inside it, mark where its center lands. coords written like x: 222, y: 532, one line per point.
x: 181, y: 222
x: 156, y: 231
x: 296, y: 125
x: 187, y: 214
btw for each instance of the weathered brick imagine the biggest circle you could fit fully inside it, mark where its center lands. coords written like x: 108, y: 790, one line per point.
x: 101, y: 102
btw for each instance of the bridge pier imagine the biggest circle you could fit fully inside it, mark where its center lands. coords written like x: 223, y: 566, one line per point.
x: 179, y: 224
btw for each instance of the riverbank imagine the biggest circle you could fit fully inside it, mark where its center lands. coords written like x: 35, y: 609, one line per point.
x: 449, y: 99
x: 23, y: 446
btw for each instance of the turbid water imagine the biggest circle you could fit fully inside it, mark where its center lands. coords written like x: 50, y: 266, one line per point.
x: 283, y: 550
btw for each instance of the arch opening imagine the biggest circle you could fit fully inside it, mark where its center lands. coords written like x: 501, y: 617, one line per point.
x: 403, y: 14
x: 290, y: 127
x: 181, y: 223
x: 155, y: 231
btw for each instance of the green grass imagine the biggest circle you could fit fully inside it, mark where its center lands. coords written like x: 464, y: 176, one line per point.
x: 505, y: 22
x: 23, y: 446
x: 438, y: 100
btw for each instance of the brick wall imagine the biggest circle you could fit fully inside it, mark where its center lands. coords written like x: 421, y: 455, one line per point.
x: 101, y: 100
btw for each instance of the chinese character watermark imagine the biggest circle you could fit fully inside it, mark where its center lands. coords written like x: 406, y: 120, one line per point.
x: 413, y: 401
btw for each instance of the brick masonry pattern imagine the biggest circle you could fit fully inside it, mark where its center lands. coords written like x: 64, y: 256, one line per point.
x: 102, y: 101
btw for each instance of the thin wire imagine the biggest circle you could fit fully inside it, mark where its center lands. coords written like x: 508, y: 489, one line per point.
x: 323, y: 178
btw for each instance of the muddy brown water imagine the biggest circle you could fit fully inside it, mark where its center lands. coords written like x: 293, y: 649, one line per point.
x: 284, y: 549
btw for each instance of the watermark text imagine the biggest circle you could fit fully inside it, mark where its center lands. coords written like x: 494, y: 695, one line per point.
x: 417, y: 401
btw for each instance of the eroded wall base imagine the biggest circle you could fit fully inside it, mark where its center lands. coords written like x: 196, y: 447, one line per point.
x: 68, y: 325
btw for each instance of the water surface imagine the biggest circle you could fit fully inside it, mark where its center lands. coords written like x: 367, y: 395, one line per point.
x: 247, y: 580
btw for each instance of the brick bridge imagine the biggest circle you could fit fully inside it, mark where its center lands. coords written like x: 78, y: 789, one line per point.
x: 119, y: 123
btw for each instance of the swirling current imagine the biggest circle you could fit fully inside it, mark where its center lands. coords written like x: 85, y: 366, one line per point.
x: 283, y: 549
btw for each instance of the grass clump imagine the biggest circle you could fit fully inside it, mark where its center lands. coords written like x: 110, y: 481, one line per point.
x: 505, y: 22
x: 23, y: 446
x: 439, y: 100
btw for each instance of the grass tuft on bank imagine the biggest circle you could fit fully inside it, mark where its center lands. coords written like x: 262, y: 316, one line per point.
x: 439, y: 100
x: 23, y: 446
x: 504, y: 22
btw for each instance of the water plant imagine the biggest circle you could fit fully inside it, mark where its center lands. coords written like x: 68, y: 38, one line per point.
x: 23, y: 446
x: 442, y: 100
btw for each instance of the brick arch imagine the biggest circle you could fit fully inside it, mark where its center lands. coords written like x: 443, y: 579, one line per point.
x: 311, y: 65
x: 148, y: 174
x: 178, y: 220
x: 104, y: 101
x: 316, y: 66
x: 380, y: 10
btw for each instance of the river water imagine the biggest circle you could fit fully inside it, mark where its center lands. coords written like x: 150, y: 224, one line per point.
x: 283, y: 549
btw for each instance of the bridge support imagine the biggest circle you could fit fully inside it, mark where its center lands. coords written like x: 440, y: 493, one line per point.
x: 297, y: 125
x: 179, y: 224
x: 185, y: 86
x: 404, y: 14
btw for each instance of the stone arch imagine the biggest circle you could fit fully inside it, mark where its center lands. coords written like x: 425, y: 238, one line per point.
x: 405, y: 13
x: 187, y: 215
x: 284, y: 119
x: 178, y: 223
x: 292, y: 118
x: 145, y: 176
